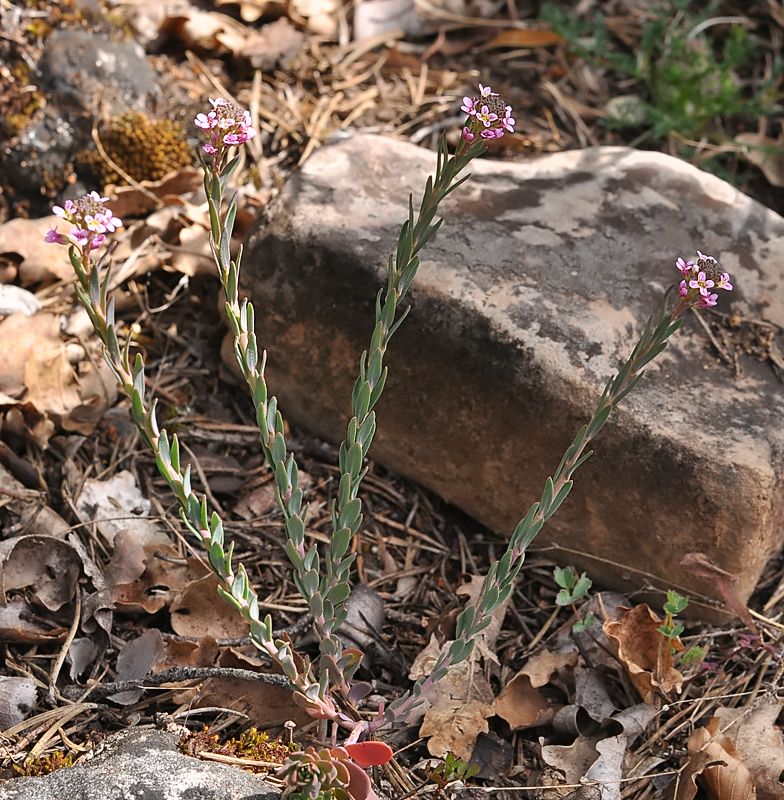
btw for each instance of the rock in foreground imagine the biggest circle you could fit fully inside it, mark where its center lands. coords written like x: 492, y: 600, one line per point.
x: 144, y: 764
x: 531, y: 295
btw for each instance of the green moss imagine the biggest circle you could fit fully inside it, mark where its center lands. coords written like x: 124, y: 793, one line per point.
x: 253, y: 745
x: 145, y: 149
x: 19, y: 102
x: 43, y: 765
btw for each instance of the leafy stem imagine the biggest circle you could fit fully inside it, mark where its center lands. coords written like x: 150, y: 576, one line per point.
x: 501, y: 576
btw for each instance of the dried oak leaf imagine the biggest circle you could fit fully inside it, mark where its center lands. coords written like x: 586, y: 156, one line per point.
x: 136, y: 660
x: 200, y: 611
x: 140, y: 580
x: 262, y: 702
x: 41, y: 262
x: 758, y: 740
x: 457, y: 707
x: 713, y: 762
x: 644, y: 653
x: 49, y: 566
x: 765, y: 153
x: 117, y: 504
x: 18, y: 624
x: 135, y: 201
x: 17, y: 698
x: 35, y: 365
x: 520, y: 703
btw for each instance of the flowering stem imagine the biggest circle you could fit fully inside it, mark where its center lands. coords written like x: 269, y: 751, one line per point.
x: 501, y: 576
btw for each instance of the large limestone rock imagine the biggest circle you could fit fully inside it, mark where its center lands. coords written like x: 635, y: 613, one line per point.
x: 142, y: 764
x: 531, y: 295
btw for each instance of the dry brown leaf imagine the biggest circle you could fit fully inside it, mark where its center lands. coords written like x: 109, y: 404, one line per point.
x: 189, y: 654
x: 28, y: 423
x: 251, y: 10
x: 200, y: 611
x: 194, y: 257
x: 276, y: 43
x: 19, y: 624
x: 758, y: 740
x: 35, y: 366
x: 573, y: 760
x: 714, y: 763
x: 765, y: 153
x: 208, y: 30
x: 519, y: 703
x: 262, y: 702
x: 523, y: 37
x: 257, y: 503
x: 117, y: 504
x: 142, y: 582
x: 457, y: 707
x: 136, y: 660
x: 42, y: 262
x: 135, y: 201
x: 17, y: 698
x: 321, y: 15
x: 49, y: 566
x: 644, y: 653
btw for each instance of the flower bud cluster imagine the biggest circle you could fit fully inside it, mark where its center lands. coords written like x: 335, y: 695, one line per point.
x: 225, y: 126
x: 90, y: 219
x: 488, y: 116
x: 700, y: 275
x: 315, y: 773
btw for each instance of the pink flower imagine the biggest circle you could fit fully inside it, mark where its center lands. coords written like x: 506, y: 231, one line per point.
x: 508, y: 122
x: 469, y: 106
x: 79, y: 236
x: 684, y: 266
x: 94, y: 223
x: 225, y: 126
x: 53, y: 237
x: 205, y: 121
x: 486, y: 116
x: 703, y: 283
x: 489, y: 116
x: 90, y: 219
x: 683, y: 289
x: 705, y: 301
x: 724, y: 282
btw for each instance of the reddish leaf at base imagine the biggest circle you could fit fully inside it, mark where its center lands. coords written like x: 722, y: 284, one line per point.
x: 369, y: 754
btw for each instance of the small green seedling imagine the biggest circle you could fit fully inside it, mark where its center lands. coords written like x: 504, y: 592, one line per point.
x: 573, y: 589
x: 450, y: 770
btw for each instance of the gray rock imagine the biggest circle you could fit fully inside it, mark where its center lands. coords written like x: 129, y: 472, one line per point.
x: 142, y: 764
x: 83, y: 70
x: 532, y: 294
x: 84, y: 75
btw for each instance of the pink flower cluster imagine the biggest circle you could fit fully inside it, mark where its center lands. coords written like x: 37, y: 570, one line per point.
x: 700, y: 275
x: 225, y: 126
x: 90, y: 219
x: 488, y: 116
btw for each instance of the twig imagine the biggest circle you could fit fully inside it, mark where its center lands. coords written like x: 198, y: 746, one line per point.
x: 58, y: 664
x: 176, y: 674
